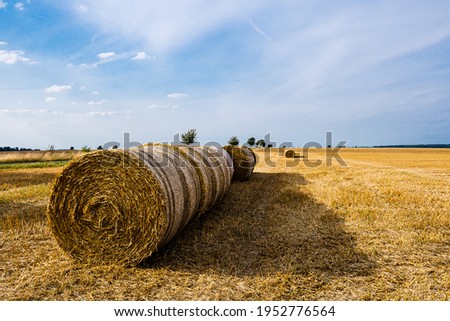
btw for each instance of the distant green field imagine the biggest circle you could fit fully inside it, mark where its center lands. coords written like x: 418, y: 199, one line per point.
x: 20, y: 165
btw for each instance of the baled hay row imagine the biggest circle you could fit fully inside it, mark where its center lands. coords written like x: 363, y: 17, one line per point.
x: 289, y: 153
x: 214, y: 168
x: 121, y: 206
x: 206, y: 184
x: 253, y: 154
x: 244, y: 161
x: 178, y: 178
x: 221, y: 169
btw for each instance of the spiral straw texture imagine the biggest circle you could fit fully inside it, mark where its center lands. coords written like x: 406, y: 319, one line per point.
x: 244, y: 161
x: 120, y: 206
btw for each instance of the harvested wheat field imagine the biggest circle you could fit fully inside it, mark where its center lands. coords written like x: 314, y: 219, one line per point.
x: 378, y: 229
x: 38, y: 156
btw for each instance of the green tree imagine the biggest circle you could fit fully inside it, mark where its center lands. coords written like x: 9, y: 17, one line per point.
x: 85, y: 149
x: 189, y: 137
x: 234, y: 141
x: 72, y: 148
x: 100, y: 147
x: 261, y: 143
x: 251, y: 141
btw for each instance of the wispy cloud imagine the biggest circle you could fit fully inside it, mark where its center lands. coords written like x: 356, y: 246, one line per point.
x: 50, y: 99
x: 19, y: 6
x: 166, y: 107
x: 98, y: 102
x: 150, y: 22
x: 142, y: 56
x: 23, y: 111
x: 106, y: 55
x: 58, y: 89
x: 82, y: 8
x: 3, y: 43
x: 101, y: 113
x: 262, y: 33
x: 177, y: 95
x: 14, y: 56
x: 3, y: 4
x: 156, y: 106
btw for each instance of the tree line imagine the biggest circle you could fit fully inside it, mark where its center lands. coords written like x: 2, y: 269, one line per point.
x: 190, y: 137
x: 14, y: 149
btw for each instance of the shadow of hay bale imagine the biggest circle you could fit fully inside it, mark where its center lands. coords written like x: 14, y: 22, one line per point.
x: 264, y: 226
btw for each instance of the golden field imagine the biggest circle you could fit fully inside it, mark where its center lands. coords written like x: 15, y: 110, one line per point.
x: 37, y: 156
x: 377, y: 229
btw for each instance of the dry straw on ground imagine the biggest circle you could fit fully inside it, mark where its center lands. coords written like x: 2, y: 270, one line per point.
x: 376, y: 230
x: 121, y: 206
x: 244, y: 161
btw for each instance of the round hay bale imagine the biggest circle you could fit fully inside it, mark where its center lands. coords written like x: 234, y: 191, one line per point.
x: 289, y: 153
x: 220, y: 166
x: 195, y: 160
x: 120, y: 206
x: 253, y: 154
x: 244, y: 161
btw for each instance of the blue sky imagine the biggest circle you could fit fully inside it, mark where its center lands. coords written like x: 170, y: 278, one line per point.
x: 84, y: 72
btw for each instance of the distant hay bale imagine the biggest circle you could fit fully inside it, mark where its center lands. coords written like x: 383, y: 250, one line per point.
x: 289, y: 153
x: 244, y: 161
x: 120, y: 206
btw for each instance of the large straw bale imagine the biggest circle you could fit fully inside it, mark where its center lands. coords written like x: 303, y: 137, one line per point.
x: 244, y: 161
x: 120, y: 206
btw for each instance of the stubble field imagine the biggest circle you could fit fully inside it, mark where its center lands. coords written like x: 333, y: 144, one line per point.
x: 377, y: 229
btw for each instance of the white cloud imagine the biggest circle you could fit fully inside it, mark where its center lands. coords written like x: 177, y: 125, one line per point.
x: 58, y: 89
x: 3, y: 43
x: 3, y: 4
x: 142, y: 56
x: 82, y: 8
x: 23, y: 111
x: 19, y: 6
x: 155, y: 106
x: 165, y: 107
x: 106, y: 55
x: 95, y: 92
x: 98, y: 102
x: 262, y: 33
x: 165, y: 25
x: 14, y: 56
x: 49, y: 99
x: 177, y: 95
x: 101, y: 113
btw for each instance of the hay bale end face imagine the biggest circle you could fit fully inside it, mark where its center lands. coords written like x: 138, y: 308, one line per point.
x: 289, y: 153
x: 244, y: 161
x: 120, y: 206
